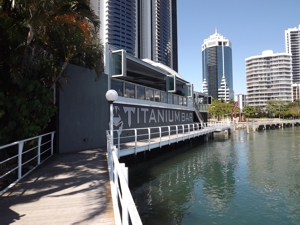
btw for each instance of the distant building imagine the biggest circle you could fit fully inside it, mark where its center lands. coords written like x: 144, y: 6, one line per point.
x: 217, y: 67
x: 145, y: 29
x: 241, y: 99
x: 269, y: 76
x: 292, y: 46
x: 296, y: 91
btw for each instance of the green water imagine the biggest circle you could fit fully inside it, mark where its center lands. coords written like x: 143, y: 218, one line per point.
x: 239, y: 179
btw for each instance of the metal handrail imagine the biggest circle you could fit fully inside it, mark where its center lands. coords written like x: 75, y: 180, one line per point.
x: 118, y: 174
x: 198, y: 113
x: 135, y: 135
x: 19, y: 157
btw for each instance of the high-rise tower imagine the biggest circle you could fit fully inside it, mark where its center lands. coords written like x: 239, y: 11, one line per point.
x: 145, y: 29
x: 217, y: 67
x: 269, y: 76
x: 292, y: 46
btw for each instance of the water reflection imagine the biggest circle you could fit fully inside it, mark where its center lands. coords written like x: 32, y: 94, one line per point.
x: 240, y: 179
x: 175, y: 185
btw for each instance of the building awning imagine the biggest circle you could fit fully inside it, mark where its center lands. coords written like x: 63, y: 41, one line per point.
x: 151, y: 75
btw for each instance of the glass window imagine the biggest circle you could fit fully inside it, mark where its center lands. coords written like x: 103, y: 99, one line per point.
x: 184, y: 101
x: 117, y: 86
x: 140, y: 92
x: 164, y: 98
x: 170, y: 98
x: 180, y: 100
x: 157, y: 95
x: 176, y: 101
x: 171, y: 83
x: 129, y: 90
x: 119, y: 63
x: 149, y: 94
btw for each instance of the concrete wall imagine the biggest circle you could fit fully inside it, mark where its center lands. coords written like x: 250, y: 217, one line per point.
x: 83, y: 111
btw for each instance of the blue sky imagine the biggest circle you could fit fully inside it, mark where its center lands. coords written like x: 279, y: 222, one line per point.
x: 252, y: 26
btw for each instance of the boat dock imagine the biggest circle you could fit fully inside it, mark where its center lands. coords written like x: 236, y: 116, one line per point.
x: 266, y: 124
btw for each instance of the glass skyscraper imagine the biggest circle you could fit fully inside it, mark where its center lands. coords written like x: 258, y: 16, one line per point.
x: 157, y: 20
x: 217, y: 67
x: 145, y: 29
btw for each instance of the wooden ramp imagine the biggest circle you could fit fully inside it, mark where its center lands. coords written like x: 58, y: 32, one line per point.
x: 66, y: 189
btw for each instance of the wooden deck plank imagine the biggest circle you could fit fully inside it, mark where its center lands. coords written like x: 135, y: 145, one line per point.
x: 66, y: 189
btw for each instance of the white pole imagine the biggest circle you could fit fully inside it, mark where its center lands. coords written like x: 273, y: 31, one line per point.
x: 111, y: 124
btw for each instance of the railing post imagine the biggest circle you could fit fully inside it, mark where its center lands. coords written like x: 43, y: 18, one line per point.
x: 39, y: 150
x: 159, y: 136
x: 177, y: 133
x: 119, y: 148
x: 20, y: 150
x: 124, y: 197
x: 135, y: 140
x: 115, y: 179
x: 169, y: 129
x: 52, y: 144
x: 149, y: 137
x: 194, y: 130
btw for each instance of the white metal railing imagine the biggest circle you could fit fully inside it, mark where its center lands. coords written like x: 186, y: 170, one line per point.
x: 121, y: 195
x: 118, y: 173
x: 40, y: 148
x: 148, y: 133
x: 180, y: 131
x: 219, y: 124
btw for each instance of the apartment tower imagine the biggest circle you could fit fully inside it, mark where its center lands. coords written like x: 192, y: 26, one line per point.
x: 145, y: 29
x: 269, y: 76
x: 292, y: 46
x: 217, y: 67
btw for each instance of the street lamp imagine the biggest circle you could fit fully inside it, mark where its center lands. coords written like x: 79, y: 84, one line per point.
x: 111, y: 96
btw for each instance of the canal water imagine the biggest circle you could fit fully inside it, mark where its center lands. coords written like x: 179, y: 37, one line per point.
x: 237, y: 179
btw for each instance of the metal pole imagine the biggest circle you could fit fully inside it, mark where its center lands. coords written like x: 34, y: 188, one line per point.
x: 20, y: 151
x: 111, y: 125
x: 39, y: 150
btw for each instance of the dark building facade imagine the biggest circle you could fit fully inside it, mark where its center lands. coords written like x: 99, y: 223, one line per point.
x: 145, y: 29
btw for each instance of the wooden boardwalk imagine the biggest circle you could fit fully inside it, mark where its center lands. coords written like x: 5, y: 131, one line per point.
x: 66, y: 189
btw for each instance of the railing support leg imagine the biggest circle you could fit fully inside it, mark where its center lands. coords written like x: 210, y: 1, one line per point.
x: 159, y: 136
x: 125, y: 217
x: 52, y: 143
x: 149, y: 137
x: 119, y: 149
x: 20, y: 150
x: 135, y: 140
x: 39, y: 150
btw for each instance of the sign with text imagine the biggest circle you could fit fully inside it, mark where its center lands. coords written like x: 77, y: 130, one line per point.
x: 130, y: 116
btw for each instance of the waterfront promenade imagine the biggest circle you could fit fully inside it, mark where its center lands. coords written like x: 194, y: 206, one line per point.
x: 66, y: 189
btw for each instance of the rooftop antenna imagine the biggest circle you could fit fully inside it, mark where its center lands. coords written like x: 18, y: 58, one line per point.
x: 216, y: 30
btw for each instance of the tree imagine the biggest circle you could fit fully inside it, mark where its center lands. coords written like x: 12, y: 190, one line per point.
x: 38, y: 39
x: 276, y: 106
x: 219, y: 108
x: 293, y: 108
x: 249, y: 111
